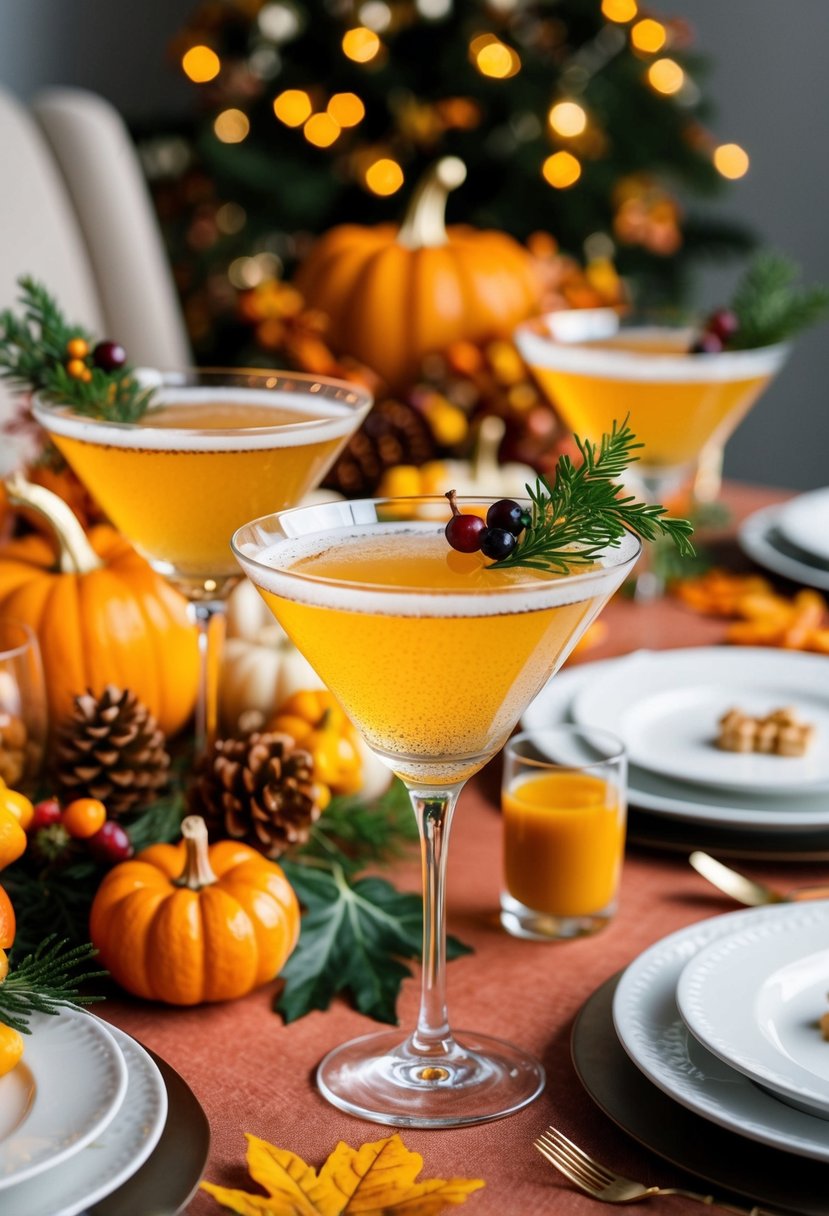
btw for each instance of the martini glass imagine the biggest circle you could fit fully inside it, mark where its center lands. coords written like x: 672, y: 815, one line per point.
x: 214, y: 448
x: 596, y: 368
x: 434, y: 657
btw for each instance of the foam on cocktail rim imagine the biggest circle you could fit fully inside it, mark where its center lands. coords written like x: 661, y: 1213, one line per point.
x: 337, y: 419
x: 271, y: 569
x: 572, y: 352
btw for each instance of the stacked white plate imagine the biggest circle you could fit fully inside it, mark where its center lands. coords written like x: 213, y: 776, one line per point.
x: 723, y: 1016
x: 666, y: 705
x: 78, y: 1116
x: 792, y: 538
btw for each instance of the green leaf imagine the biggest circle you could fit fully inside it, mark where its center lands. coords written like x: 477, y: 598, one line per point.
x: 46, y: 981
x: 770, y: 306
x: 354, y: 834
x: 354, y: 939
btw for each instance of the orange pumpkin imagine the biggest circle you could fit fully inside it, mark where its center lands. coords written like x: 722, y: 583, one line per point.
x: 101, y: 613
x: 186, y: 923
x: 393, y: 295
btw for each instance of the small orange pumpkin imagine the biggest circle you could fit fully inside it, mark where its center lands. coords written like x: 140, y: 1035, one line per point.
x: 101, y: 613
x: 393, y: 295
x: 187, y: 924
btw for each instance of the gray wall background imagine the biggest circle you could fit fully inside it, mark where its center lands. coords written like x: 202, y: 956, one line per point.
x: 768, y: 81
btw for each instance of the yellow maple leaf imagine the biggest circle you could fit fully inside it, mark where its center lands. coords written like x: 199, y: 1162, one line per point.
x: 377, y: 1179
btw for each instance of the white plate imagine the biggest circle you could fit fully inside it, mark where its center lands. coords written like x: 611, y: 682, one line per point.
x: 68, y: 1087
x: 759, y: 537
x: 650, y: 1029
x: 666, y: 706
x: 804, y: 522
x: 779, y: 970
x: 112, y: 1157
x: 673, y: 799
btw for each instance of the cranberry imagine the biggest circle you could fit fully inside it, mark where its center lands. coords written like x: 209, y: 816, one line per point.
x: 109, y: 356
x: 464, y: 532
x: 707, y: 344
x: 110, y: 843
x: 46, y: 813
x: 724, y: 323
x: 508, y: 515
x: 498, y: 543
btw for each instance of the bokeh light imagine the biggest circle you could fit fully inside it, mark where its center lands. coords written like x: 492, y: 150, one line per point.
x: 567, y: 118
x: 321, y: 130
x: 494, y: 58
x: 384, y: 176
x: 731, y: 161
x: 201, y: 64
x: 346, y: 109
x: 293, y: 107
x: 648, y: 35
x: 231, y: 126
x: 360, y: 44
x: 666, y: 76
x: 561, y: 170
x: 619, y: 10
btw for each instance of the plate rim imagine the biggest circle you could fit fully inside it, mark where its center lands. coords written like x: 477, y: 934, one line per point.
x: 792, y: 508
x: 753, y: 539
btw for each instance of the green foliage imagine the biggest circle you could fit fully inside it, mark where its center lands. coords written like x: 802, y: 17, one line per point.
x: 353, y: 834
x: 46, y: 981
x: 33, y: 358
x: 770, y: 306
x: 583, y: 511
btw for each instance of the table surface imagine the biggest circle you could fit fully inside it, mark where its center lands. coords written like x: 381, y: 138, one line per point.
x: 253, y: 1074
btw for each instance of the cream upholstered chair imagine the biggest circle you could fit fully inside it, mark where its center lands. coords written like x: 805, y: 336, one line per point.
x: 75, y: 214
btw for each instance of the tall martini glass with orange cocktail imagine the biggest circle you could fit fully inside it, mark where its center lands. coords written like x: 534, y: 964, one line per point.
x: 213, y: 449
x: 434, y: 654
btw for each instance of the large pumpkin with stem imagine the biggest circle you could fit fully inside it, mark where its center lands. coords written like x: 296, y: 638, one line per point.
x: 100, y: 612
x: 394, y: 295
x: 191, y: 923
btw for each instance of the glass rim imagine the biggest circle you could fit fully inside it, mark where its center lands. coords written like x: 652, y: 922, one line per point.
x: 537, y: 587
x: 618, y: 750
x: 29, y: 637
x: 353, y: 397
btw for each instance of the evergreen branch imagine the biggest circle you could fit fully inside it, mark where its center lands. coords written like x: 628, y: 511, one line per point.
x: 46, y: 981
x: 33, y: 357
x: 574, y: 519
x: 770, y: 307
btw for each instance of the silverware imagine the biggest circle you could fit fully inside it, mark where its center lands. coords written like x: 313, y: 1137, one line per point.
x: 747, y: 890
x: 600, y: 1182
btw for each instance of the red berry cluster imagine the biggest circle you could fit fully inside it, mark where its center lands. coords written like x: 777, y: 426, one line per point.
x: 84, y: 819
x: 495, y: 537
x: 719, y: 328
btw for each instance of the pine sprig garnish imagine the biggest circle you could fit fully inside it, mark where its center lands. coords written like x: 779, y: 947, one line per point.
x: 45, y: 982
x: 33, y: 357
x: 770, y: 307
x: 574, y: 519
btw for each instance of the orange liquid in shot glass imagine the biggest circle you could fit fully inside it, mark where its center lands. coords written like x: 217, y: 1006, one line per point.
x: 564, y: 839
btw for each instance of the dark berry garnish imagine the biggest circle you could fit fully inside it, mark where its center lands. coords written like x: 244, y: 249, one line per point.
x: 707, y: 344
x: 724, y: 323
x: 110, y: 843
x: 109, y: 356
x: 508, y: 515
x: 463, y: 531
x: 498, y: 543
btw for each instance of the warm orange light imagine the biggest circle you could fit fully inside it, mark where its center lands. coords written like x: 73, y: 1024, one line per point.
x: 648, y: 35
x: 384, y: 176
x: 619, y: 10
x: 494, y: 58
x: 346, y: 109
x: 561, y: 170
x: 666, y: 76
x: 293, y: 107
x: 201, y: 64
x: 231, y: 126
x: 567, y: 118
x: 360, y: 44
x: 321, y: 130
x: 731, y: 160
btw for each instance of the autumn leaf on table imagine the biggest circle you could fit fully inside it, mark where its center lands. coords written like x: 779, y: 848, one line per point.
x: 378, y: 1179
x: 354, y: 937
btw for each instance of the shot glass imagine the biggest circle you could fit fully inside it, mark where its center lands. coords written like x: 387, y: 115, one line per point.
x: 23, y: 718
x: 564, y: 807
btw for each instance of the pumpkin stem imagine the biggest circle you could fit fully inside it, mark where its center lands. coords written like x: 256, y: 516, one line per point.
x: 485, y: 452
x: 197, y: 872
x: 75, y: 553
x: 424, y: 224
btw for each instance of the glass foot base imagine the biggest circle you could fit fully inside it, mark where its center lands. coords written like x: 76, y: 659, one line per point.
x: 479, y: 1078
x: 521, y: 921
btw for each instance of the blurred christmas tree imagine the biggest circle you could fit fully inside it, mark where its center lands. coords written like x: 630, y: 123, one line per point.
x: 581, y: 119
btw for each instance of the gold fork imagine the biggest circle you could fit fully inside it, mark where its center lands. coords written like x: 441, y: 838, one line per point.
x: 600, y: 1182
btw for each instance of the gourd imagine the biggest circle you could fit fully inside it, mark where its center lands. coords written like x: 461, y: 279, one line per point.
x: 316, y: 722
x: 393, y: 295
x: 101, y: 613
x: 191, y: 923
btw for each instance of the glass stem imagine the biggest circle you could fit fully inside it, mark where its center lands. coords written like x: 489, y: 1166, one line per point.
x: 433, y: 811
x: 210, y: 618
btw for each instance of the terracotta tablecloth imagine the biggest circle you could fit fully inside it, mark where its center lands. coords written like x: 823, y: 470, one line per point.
x: 253, y: 1074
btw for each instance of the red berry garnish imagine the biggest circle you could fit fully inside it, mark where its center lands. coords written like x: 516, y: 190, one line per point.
x: 508, y: 515
x: 45, y: 814
x: 110, y: 843
x: 707, y: 344
x: 724, y: 323
x: 498, y: 543
x: 109, y: 356
x: 463, y: 531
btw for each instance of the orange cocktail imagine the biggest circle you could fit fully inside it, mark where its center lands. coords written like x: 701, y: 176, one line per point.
x: 434, y: 654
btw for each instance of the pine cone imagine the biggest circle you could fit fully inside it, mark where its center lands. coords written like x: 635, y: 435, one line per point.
x: 111, y: 749
x: 393, y: 433
x: 258, y: 789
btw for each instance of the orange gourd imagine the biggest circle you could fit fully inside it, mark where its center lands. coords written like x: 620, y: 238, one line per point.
x: 101, y: 613
x: 187, y: 924
x: 393, y: 295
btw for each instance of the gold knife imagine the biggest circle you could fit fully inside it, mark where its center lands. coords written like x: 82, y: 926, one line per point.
x: 747, y: 890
